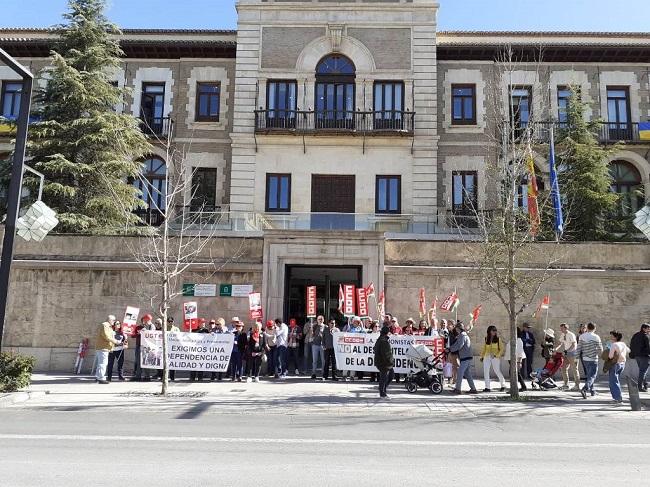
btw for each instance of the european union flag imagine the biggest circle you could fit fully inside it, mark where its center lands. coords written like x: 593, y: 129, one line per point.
x: 555, y: 190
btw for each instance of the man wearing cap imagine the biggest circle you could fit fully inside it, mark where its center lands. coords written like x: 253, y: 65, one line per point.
x: 238, y: 352
x: 640, y: 351
x: 104, y: 344
x: 384, y: 361
x: 569, y: 345
x: 528, y: 338
x: 233, y: 324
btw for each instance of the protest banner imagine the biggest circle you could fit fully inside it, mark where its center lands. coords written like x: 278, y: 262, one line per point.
x: 311, y: 302
x: 208, y: 352
x: 255, y: 306
x: 130, y: 321
x: 362, y: 302
x: 355, y: 351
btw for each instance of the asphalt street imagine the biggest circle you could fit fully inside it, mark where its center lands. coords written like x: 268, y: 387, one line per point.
x: 190, y: 446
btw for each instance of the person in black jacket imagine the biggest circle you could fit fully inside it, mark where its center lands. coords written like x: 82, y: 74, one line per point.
x: 384, y: 361
x: 528, y: 338
x: 238, y: 352
x: 255, y: 350
x: 640, y: 351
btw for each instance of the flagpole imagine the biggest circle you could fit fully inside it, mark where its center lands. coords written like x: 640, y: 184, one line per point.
x: 547, y: 310
x: 456, y: 293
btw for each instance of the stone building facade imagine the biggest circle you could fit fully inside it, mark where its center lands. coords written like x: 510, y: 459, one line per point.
x: 335, y: 138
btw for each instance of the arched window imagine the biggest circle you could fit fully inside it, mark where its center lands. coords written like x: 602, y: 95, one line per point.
x: 626, y: 182
x: 152, y: 187
x: 335, y: 76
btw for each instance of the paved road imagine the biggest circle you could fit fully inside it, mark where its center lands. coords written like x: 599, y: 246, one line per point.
x: 103, y: 446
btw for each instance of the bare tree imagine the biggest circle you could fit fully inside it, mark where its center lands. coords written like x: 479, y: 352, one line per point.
x: 503, y: 246
x: 187, y: 228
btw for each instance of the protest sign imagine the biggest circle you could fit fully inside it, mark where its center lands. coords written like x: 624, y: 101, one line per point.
x: 348, y: 299
x: 311, y: 301
x: 255, y: 306
x: 130, y: 321
x: 190, y: 315
x: 355, y: 351
x: 209, y: 352
x: 362, y: 302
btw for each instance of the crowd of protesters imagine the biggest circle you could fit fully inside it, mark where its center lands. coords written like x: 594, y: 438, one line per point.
x: 279, y: 350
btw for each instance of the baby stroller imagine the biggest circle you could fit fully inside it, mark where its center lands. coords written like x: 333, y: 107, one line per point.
x: 543, y: 378
x: 426, y: 371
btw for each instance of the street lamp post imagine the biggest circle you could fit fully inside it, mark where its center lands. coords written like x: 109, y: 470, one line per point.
x: 16, y: 183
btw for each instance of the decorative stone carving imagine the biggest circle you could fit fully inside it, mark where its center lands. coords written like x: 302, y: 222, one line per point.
x: 336, y: 34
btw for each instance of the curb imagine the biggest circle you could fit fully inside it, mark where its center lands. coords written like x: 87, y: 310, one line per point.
x: 13, y: 398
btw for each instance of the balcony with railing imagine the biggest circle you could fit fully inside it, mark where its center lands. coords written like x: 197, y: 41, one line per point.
x: 334, y: 122
x: 442, y: 225
x: 156, y: 126
x: 607, y: 132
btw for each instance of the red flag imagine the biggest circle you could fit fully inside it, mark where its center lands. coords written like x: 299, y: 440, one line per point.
x: 381, y: 305
x: 475, y: 314
x: 341, y: 298
x: 545, y: 304
x: 434, y: 308
x: 450, y: 302
x: 423, y: 302
x: 370, y: 290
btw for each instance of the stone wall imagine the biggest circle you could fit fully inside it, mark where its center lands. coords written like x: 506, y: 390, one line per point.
x: 63, y: 287
x: 608, y: 284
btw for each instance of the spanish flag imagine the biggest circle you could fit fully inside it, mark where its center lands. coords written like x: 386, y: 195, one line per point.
x: 533, y: 191
x: 644, y: 130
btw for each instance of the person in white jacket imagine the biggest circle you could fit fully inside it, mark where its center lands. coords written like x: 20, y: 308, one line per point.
x: 521, y: 358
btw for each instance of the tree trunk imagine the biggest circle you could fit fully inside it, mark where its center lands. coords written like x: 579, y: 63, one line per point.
x: 165, y: 372
x: 512, y: 317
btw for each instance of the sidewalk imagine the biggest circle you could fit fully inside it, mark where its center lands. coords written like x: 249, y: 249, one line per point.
x: 299, y: 395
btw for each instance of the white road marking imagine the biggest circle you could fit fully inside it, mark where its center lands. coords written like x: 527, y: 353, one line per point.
x: 324, y: 441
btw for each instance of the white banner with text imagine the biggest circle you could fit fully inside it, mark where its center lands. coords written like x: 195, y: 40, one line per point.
x: 355, y: 351
x: 187, y: 351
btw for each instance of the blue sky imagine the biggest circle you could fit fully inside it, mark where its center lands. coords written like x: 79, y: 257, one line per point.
x: 581, y: 15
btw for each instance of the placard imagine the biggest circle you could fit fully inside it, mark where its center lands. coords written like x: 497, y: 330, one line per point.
x: 362, y: 302
x: 255, y: 306
x: 349, y: 299
x: 190, y: 315
x: 311, y: 302
x: 130, y: 321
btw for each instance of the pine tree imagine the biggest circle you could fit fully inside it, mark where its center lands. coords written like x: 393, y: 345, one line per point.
x: 86, y: 150
x: 584, y: 175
